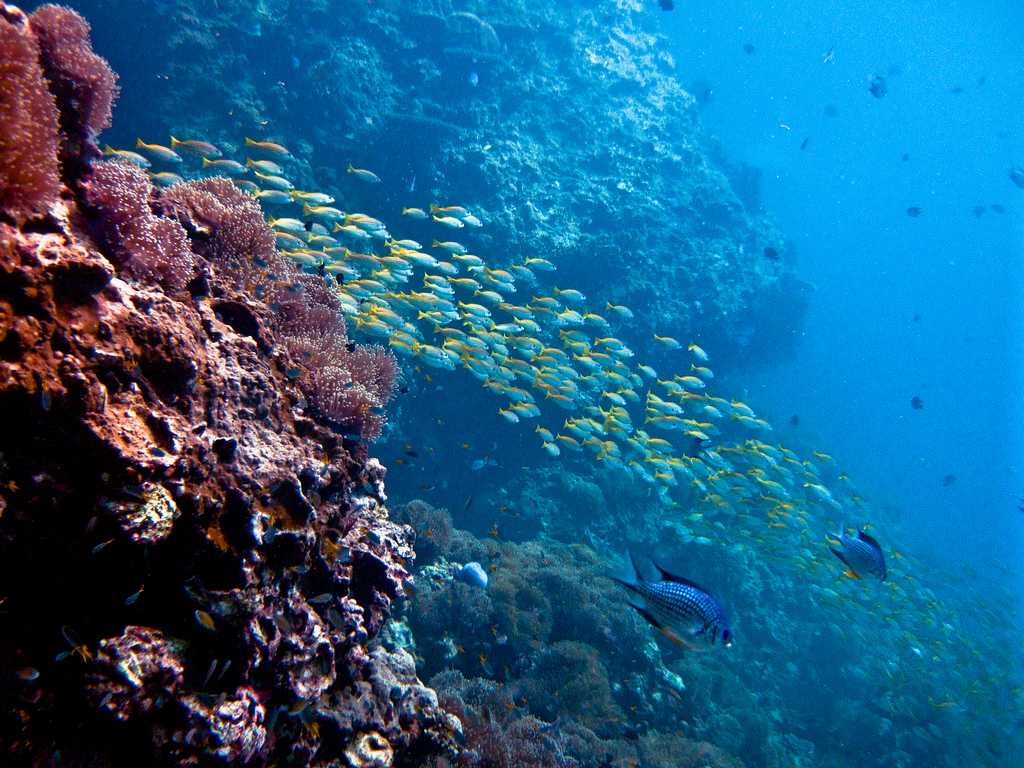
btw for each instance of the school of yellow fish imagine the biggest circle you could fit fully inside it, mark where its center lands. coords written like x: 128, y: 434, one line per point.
x: 551, y: 360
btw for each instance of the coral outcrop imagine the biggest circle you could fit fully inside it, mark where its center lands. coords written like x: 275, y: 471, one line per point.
x: 195, y: 550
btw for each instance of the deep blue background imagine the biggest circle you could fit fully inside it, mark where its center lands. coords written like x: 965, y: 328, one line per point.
x: 842, y: 200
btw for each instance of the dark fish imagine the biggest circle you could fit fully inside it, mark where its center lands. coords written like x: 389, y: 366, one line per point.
x: 948, y: 480
x: 831, y: 110
x: 803, y: 144
x: 1017, y: 176
x: 957, y: 89
x: 916, y: 403
x: 678, y: 607
x: 878, y: 87
x: 905, y: 156
x: 914, y: 211
x: 997, y: 208
x: 916, y: 318
x: 771, y: 253
x: 667, y: 5
x: 861, y: 554
x: 794, y: 420
x: 978, y: 211
x: 749, y: 49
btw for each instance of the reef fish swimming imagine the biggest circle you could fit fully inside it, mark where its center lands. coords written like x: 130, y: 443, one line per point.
x: 678, y: 607
x: 861, y: 554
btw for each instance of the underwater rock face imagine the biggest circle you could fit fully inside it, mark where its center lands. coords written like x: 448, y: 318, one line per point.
x: 193, y: 558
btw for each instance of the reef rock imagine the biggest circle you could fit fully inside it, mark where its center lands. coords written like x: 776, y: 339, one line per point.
x: 194, y: 546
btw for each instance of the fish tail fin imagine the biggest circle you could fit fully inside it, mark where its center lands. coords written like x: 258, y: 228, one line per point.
x: 638, y: 577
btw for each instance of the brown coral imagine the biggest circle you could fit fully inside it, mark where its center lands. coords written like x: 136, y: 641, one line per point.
x: 82, y: 82
x: 29, y: 178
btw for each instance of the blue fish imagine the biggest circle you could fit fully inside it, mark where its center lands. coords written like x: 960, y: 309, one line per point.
x: 678, y: 607
x: 861, y: 554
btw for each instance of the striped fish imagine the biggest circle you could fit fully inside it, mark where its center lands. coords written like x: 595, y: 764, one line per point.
x: 679, y: 608
x: 860, y: 554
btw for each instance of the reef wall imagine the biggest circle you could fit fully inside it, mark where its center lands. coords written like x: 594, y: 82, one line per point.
x: 195, y: 550
x: 563, y: 125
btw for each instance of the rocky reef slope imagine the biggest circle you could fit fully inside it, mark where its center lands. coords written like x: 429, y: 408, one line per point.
x: 195, y: 551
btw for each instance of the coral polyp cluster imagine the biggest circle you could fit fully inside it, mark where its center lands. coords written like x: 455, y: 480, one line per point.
x: 194, y: 546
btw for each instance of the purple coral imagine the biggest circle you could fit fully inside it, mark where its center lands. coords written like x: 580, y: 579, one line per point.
x: 29, y: 177
x: 83, y: 83
x: 148, y: 246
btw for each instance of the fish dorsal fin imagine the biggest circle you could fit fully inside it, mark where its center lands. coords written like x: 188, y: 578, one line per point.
x: 868, y: 540
x: 669, y: 576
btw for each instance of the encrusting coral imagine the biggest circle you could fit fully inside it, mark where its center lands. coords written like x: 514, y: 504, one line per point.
x: 194, y: 545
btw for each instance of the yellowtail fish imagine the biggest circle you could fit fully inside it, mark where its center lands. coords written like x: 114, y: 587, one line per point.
x: 246, y: 186
x: 454, y: 210
x: 364, y: 175
x: 126, y: 154
x: 232, y: 167
x: 449, y: 245
x: 324, y: 212
x: 668, y: 342
x: 542, y: 264
x: 415, y: 213
x: 274, y: 182
x: 295, y: 226
x: 166, y: 179
x: 449, y: 221
x: 275, y: 196
x: 698, y: 353
x: 619, y: 311
x: 267, y: 146
x: 313, y: 198
x: 201, y: 148
x: 266, y: 166
x: 158, y: 151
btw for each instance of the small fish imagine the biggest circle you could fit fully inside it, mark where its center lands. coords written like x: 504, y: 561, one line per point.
x: 914, y: 211
x: 803, y: 144
x: 771, y: 254
x: 201, y: 148
x: 364, y: 175
x: 126, y: 154
x: 829, y: 56
x: 477, y: 464
x: 267, y: 146
x: 948, y: 480
x: 205, y: 620
x: 166, y: 179
x: 265, y: 166
x: 415, y: 213
x: 134, y: 598
x: 1017, y: 176
x: 877, y: 86
x: 232, y: 167
x: 449, y: 221
x: 678, y: 607
x: 861, y: 554
x: 158, y: 151
x: 749, y: 49
x: 916, y: 403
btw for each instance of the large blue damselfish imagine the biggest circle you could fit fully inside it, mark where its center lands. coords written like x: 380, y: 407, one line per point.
x: 861, y: 554
x: 678, y: 607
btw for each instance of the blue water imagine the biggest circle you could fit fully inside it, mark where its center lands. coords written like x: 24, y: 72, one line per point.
x: 841, y: 201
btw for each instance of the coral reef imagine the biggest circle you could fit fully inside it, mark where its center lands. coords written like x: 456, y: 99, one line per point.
x: 83, y: 84
x: 194, y: 555
x: 29, y: 177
